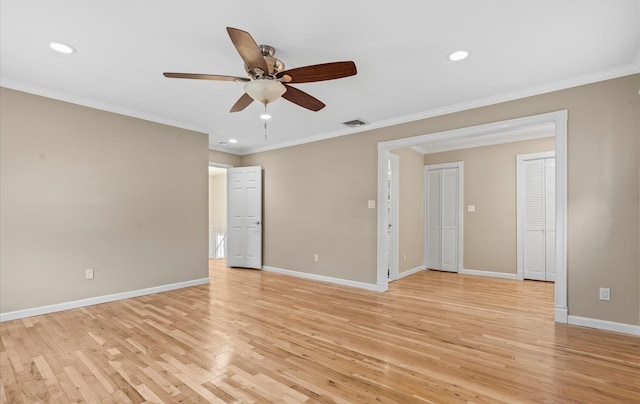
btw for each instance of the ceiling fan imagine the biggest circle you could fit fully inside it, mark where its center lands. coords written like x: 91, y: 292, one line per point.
x: 267, y: 80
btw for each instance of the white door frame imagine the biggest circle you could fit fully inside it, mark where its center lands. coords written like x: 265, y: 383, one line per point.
x: 460, y: 239
x: 559, y: 121
x: 210, y: 241
x: 520, y: 158
x: 393, y: 256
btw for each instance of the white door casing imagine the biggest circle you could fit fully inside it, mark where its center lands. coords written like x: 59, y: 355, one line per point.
x: 393, y: 187
x: 471, y: 136
x: 244, y: 217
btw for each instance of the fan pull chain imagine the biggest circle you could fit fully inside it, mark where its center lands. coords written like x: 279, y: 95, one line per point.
x: 265, y: 121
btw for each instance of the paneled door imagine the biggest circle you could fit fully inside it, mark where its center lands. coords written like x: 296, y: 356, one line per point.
x: 443, y: 218
x: 244, y: 217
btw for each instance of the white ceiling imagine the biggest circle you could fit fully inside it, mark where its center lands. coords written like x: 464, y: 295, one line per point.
x: 518, y: 48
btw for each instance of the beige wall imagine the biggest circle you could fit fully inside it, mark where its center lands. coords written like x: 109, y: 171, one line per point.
x: 315, y: 195
x: 224, y: 158
x: 315, y: 202
x: 82, y: 188
x: 217, y: 200
x: 315, y: 199
x: 490, y: 185
x: 411, y: 210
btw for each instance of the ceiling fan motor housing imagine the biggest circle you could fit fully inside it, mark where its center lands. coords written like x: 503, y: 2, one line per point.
x: 274, y: 65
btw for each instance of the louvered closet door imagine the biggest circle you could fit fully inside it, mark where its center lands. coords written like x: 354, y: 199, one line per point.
x: 539, y: 219
x: 534, y: 238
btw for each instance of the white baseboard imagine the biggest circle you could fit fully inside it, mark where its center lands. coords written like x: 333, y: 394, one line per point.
x: 502, y: 275
x: 36, y: 311
x: 605, y: 325
x: 322, y: 278
x: 410, y: 272
x: 561, y: 315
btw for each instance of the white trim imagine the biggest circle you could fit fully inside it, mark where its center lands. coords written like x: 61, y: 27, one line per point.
x: 219, y: 165
x: 382, y: 279
x: 36, y: 311
x: 410, y: 272
x: 322, y: 278
x: 561, y: 315
x: 520, y: 158
x: 559, y: 119
x: 561, y: 289
x: 491, y: 274
x: 394, y: 255
x: 604, y: 325
x: 536, y: 156
x: 533, y: 132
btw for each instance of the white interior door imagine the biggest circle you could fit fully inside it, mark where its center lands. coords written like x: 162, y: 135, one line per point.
x: 443, y: 214
x: 434, y: 219
x: 537, y: 204
x: 244, y: 212
x: 534, y: 221
x: 450, y: 219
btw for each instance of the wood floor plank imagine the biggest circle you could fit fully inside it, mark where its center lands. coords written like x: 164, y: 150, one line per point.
x: 253, y: 337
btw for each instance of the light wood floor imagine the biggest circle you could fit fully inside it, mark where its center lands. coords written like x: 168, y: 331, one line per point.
x: 253, y: 336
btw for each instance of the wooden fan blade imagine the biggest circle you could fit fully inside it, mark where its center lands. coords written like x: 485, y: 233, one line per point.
x: 203, y: 76
x: 303, y: 99
x: 242, y: 103
x: 321, y: 72
x: 248, y: 49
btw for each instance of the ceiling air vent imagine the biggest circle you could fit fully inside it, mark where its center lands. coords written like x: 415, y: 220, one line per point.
x: 355, y: 123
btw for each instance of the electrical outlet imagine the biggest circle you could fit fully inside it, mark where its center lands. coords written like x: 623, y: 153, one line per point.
x: 605, y: 294
x: 88, y: 273
x: 316, y: 258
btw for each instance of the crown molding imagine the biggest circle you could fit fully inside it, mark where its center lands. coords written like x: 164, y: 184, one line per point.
x: 87, y: 102
x: 481, y: 102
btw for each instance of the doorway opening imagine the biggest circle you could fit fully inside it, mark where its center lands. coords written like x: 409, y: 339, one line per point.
x: 480, y: 135
x: 217, y: 211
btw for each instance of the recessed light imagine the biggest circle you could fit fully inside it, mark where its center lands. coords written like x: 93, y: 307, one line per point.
x: 458, y: 55
x: 62, y: 47
x: 233, y: 140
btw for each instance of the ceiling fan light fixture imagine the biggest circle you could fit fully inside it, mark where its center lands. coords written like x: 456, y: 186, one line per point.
x: 264, y: 90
